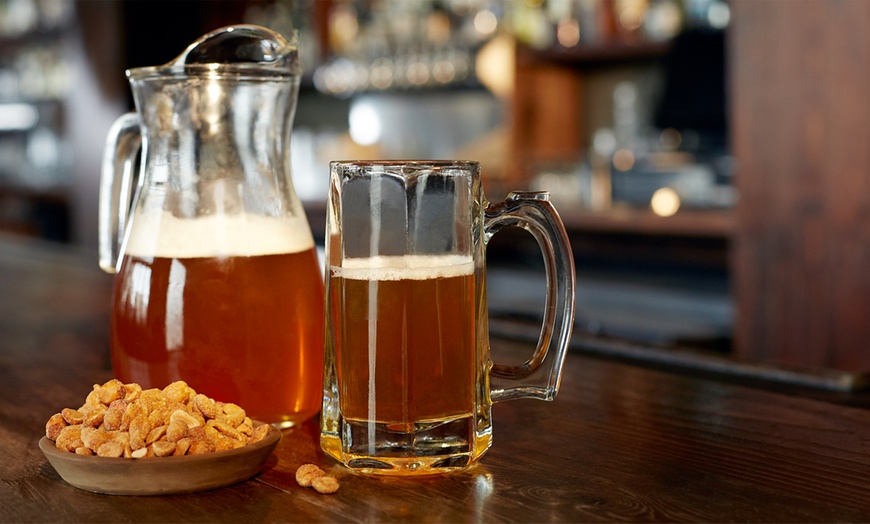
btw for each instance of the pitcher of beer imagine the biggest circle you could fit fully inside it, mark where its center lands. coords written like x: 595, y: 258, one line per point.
x: 408, y: 379
x: 218, y: 282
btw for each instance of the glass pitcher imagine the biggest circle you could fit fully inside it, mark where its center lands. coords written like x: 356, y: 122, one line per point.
x: 218, y: 281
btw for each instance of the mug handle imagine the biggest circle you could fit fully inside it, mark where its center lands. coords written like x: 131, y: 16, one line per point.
x: 123, y: 143
x: 533, y: 211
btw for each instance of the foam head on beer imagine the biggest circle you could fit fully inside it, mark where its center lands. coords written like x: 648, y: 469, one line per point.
x: 404, y: 267
x: 162, y: 234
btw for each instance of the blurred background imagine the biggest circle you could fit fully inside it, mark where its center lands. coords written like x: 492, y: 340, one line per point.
x: 637, y: 115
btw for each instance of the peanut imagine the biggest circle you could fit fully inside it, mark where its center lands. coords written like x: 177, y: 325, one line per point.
x: 94, y: 416
x: 183, y: 416
x: 182, y: 446
x: 325, y: 484
x: 54, y: 425
x: 72, y: 416
x: 176, y: 430
x: 206, y: 406
x: 132, y: 392
x: 258, y: 433
x: 198, y: 447
x: 162, y: 448
x: 70, y: 438
x: 112, y: 448
x: 306, y: 474
x: 309, y: 475
x: 114, y: 415
x: 111, y: 391
x: 156, y: 434
x: 177, y: 392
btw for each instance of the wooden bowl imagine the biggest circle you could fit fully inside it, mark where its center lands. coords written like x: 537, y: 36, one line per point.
x: 160, y: 475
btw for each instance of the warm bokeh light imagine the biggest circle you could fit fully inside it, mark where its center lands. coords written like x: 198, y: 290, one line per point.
x: 485, y: 22
x: 665, y: 202
x: 344, y: 27
x: 418, y: 73
x: 438, y: 28
x: 443, y: 71
x: 381, y: 76
x: 568, y: 33
x: 631, y: 18
x: 623, y: 159
x: 495, y: 65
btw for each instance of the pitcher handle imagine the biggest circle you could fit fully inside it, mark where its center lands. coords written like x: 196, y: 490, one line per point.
x: 532, y: 211
x: 122, y: 145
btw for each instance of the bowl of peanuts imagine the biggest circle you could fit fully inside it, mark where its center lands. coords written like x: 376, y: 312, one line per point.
x: 128, y: 441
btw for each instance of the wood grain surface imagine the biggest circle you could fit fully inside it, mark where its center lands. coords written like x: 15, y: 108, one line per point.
x: 619, y: 444
x: 798, y: 103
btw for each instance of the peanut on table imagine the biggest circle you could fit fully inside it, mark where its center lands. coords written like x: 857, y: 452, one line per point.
x: 309, y: 475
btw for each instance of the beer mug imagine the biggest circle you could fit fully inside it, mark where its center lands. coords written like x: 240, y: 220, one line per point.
x: 408, y: 379
x: 218, y: 281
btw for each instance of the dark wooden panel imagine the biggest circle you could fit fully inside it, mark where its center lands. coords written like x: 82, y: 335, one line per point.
x: 801, y: 255
x: 546, y: 113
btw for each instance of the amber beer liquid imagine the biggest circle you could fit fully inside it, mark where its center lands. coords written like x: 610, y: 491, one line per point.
x: 241, y: 321
x: 405, y: 340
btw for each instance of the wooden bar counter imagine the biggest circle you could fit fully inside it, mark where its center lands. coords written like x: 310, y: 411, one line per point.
x: 620, y: 443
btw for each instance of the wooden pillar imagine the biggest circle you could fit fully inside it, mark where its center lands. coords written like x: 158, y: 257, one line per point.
x: 800, y: 106
x: 547, y: 116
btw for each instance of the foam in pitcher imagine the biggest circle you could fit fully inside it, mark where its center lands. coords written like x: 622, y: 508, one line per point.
x: 161, y: 234
x: 405, y: 267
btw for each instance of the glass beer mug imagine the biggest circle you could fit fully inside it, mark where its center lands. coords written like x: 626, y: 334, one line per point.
x: 408, y: 380
x: 218, y: 282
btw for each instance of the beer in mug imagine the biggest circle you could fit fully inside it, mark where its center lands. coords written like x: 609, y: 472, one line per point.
x: 408, y: 380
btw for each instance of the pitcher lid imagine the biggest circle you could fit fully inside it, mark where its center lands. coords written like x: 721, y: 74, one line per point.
x: 234, y: 51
